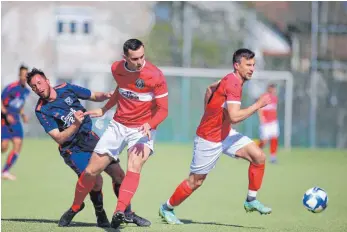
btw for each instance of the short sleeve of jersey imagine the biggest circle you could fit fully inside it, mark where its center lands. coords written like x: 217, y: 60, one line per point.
x: 47, y: 122
x: 81, y: 92
x: 233, y: 91
x: 160, y: 87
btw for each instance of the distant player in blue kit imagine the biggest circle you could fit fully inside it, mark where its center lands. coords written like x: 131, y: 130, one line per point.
x: 61, y: 115
x: 12, y: 101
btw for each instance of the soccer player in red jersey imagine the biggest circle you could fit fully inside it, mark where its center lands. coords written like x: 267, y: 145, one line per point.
x: 214, y: 136
x: 141, y: 97
x: 269, y: 129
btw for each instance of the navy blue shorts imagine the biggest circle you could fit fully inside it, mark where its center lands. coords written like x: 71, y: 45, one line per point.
x: 78, y: 161
x: 10, y: 131
x: 77, y: 157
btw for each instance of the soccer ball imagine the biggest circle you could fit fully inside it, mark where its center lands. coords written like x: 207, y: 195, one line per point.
x: 315, y: 200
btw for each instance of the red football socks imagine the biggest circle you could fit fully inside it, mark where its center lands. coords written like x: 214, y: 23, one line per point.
x: 83, y: 186
x: 273, y: 146
x: 182, y: 192
x: 127, y: 190
x: 255, y: 176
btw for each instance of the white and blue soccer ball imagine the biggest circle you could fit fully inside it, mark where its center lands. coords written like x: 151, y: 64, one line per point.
x: 315, y: 200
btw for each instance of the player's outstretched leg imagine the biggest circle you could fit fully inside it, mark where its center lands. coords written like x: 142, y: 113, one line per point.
x: 182, y: 192
x: 256, y: 156
x: 87, y: 180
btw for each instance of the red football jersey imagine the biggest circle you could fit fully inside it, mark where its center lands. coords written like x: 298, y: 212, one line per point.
x: 215, y: 124
x: 269, y: 112
x: 142, y: 95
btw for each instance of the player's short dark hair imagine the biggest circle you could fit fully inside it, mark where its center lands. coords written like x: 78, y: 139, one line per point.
x: 242, y: 52
x: 272, y: 85
x: 132, y: 44
x: 23, y: 67
x: 34, y: 72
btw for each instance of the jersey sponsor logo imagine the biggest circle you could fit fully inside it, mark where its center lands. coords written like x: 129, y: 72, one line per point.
x: 140, y: 84
x: 68, y: 119
x: 16, y: 103
x: 129, y: 95
x: 68, y: 101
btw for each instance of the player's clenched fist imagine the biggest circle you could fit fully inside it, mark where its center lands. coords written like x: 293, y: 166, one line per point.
x: 264, y: 100
x: 79, y: 117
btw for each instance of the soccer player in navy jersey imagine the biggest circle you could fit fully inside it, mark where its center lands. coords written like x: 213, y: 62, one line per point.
x: 61, y: 114
x: 12, y: 102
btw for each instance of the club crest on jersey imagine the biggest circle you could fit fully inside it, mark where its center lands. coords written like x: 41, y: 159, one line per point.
x: 68, y: 101
x: 140, y: 84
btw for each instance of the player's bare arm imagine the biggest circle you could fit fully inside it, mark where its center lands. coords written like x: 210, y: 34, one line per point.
x: 210, y: 89
x: 101, y: 111
x: 25, y: 118
x: 159, y: 116
x: 237, y: 114
x: 63, y: 136
x: 100, y: 96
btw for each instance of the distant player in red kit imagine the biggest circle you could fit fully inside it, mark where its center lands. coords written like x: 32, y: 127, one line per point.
x: 141, y: 97
x: 269, y: 129
x: 215, y: 136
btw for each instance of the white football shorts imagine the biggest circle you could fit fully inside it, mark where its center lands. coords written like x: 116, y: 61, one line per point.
x: 269, y: 130
x: 117, y: 136
x: 207, y: 153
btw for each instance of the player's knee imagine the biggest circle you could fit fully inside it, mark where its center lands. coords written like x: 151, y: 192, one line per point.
x: 4, y: 147
x: 89, y: 171
x: 135, y: 164
x: 134, y: 167
x: 258, y: 156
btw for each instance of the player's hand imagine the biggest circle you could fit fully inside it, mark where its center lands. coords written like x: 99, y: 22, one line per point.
x: 95, y: 113
x: 79, y: 117
x: 146, y: 130
x: 25, y: 118
x: 264, y: 100
x: 11, y: 119
x: 107, y: 95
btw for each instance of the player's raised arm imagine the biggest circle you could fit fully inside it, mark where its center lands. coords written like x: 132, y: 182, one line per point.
x: 237, y: 114
x: 100, y: 96
x: 62, y: 136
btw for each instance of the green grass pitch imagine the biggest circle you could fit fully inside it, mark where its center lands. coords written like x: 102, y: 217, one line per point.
x: 44, y: 189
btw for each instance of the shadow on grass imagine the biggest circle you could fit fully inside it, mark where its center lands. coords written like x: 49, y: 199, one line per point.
x: 187, y: 221
x: 73, y: 224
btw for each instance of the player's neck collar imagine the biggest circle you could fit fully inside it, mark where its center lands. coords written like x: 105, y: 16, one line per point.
x: 238, y: 78
x: 52, y: 93
x: 126, y: 68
